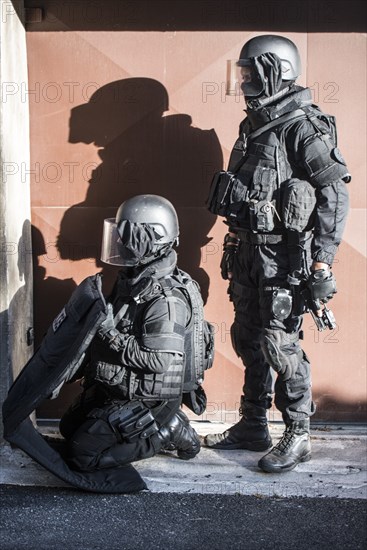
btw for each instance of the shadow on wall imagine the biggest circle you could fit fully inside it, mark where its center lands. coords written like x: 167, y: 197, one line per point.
x: 49, y: 293
x: 141, y: 151
x: 16, y: 321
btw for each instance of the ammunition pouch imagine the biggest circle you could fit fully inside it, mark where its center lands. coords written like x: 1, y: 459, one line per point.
x: 129, y: 421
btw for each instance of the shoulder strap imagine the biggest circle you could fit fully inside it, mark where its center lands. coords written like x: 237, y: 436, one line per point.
x: 293, y: 115
x: 167, y: 288
x: 323, y: 122
x: 298, y: 113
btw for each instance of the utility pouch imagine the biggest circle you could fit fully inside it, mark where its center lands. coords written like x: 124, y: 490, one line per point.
x: 281, y: 305
x: 262, y: 216
x: 298, y: 204
x: 264, y: 182
x: 227, y: 194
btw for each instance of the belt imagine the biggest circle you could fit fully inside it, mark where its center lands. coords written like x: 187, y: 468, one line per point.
x: 261, y: 238
x: 268, y: 238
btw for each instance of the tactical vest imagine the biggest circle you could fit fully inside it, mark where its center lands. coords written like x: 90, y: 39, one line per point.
x: 127, y: 382
x: 191, y: 340
x: 261, y: 191
x: 199, y: 333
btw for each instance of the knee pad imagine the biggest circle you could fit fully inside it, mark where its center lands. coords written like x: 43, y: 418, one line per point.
x: 281, y: 351
x: 179, y: 434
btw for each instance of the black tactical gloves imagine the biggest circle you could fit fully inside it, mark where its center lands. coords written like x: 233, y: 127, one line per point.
x: 230, y: 247
x: 322, y: 287
x: 109, y: 333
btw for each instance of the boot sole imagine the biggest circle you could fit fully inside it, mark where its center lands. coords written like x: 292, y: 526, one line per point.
x: 247, y: 446
x: 276, y: 470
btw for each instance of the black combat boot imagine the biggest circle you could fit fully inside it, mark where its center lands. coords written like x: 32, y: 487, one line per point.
x: 179, y: 434
x: 293, y: 448
x: 251, y: 433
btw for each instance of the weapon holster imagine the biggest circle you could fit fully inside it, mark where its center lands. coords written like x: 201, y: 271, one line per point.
x: 129, y: 420
x: 297, y: 266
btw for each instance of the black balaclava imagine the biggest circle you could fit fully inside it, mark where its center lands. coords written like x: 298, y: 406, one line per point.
x: 267, y: 80
x: 137, y: 244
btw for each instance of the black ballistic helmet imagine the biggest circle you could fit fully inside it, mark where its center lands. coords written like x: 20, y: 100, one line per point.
x: 147, y: 225
x: 275, y: 60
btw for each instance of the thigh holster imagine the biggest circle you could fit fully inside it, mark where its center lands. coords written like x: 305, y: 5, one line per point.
x: 129, y: 421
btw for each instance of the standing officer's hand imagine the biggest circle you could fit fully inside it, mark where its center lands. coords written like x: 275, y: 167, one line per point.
x: 322, y: 284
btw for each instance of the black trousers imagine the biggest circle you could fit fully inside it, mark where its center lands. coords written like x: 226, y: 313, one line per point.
x: 262, y: 340
x: 93, y: 443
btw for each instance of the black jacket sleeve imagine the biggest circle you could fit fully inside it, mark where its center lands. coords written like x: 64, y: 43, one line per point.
x: 162, y: 339
x: 158, y: 343
x: 331, y: 212
x: 316, y: 159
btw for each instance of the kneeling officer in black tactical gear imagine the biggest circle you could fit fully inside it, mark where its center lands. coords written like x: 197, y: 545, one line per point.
x: 133, y: 380
x: 285, y: 202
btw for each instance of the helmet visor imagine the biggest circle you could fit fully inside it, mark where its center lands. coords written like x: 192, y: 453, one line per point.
x: 233, y: 86
x: 242, y: 77
x: 111, y: 249
x: 128, y: 244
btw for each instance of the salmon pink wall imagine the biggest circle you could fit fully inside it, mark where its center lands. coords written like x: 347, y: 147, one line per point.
x: 118, y: 113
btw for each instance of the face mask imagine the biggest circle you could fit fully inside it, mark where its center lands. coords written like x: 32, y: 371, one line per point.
x: 253, y: 87
x: 137, y: 242
x: 128, y: 244
x: 259, y: 76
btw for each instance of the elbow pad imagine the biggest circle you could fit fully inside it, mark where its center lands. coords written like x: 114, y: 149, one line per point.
x: 323, y: 161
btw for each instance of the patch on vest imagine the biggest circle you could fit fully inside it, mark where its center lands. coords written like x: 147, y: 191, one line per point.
x: 59, y: 320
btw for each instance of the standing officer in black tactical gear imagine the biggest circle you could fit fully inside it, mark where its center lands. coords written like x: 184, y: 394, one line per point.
x: 285, y: 202
x: 130, y: 406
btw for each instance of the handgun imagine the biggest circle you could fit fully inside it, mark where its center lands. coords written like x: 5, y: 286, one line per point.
x: 327, y: 319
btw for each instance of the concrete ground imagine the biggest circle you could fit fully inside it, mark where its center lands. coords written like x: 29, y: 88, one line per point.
x: 338, y: 468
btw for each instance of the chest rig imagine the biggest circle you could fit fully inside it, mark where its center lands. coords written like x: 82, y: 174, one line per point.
x: 262, y: 191
x: 185, y: 374
x: 151, y: 318
x: 259, y: 161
